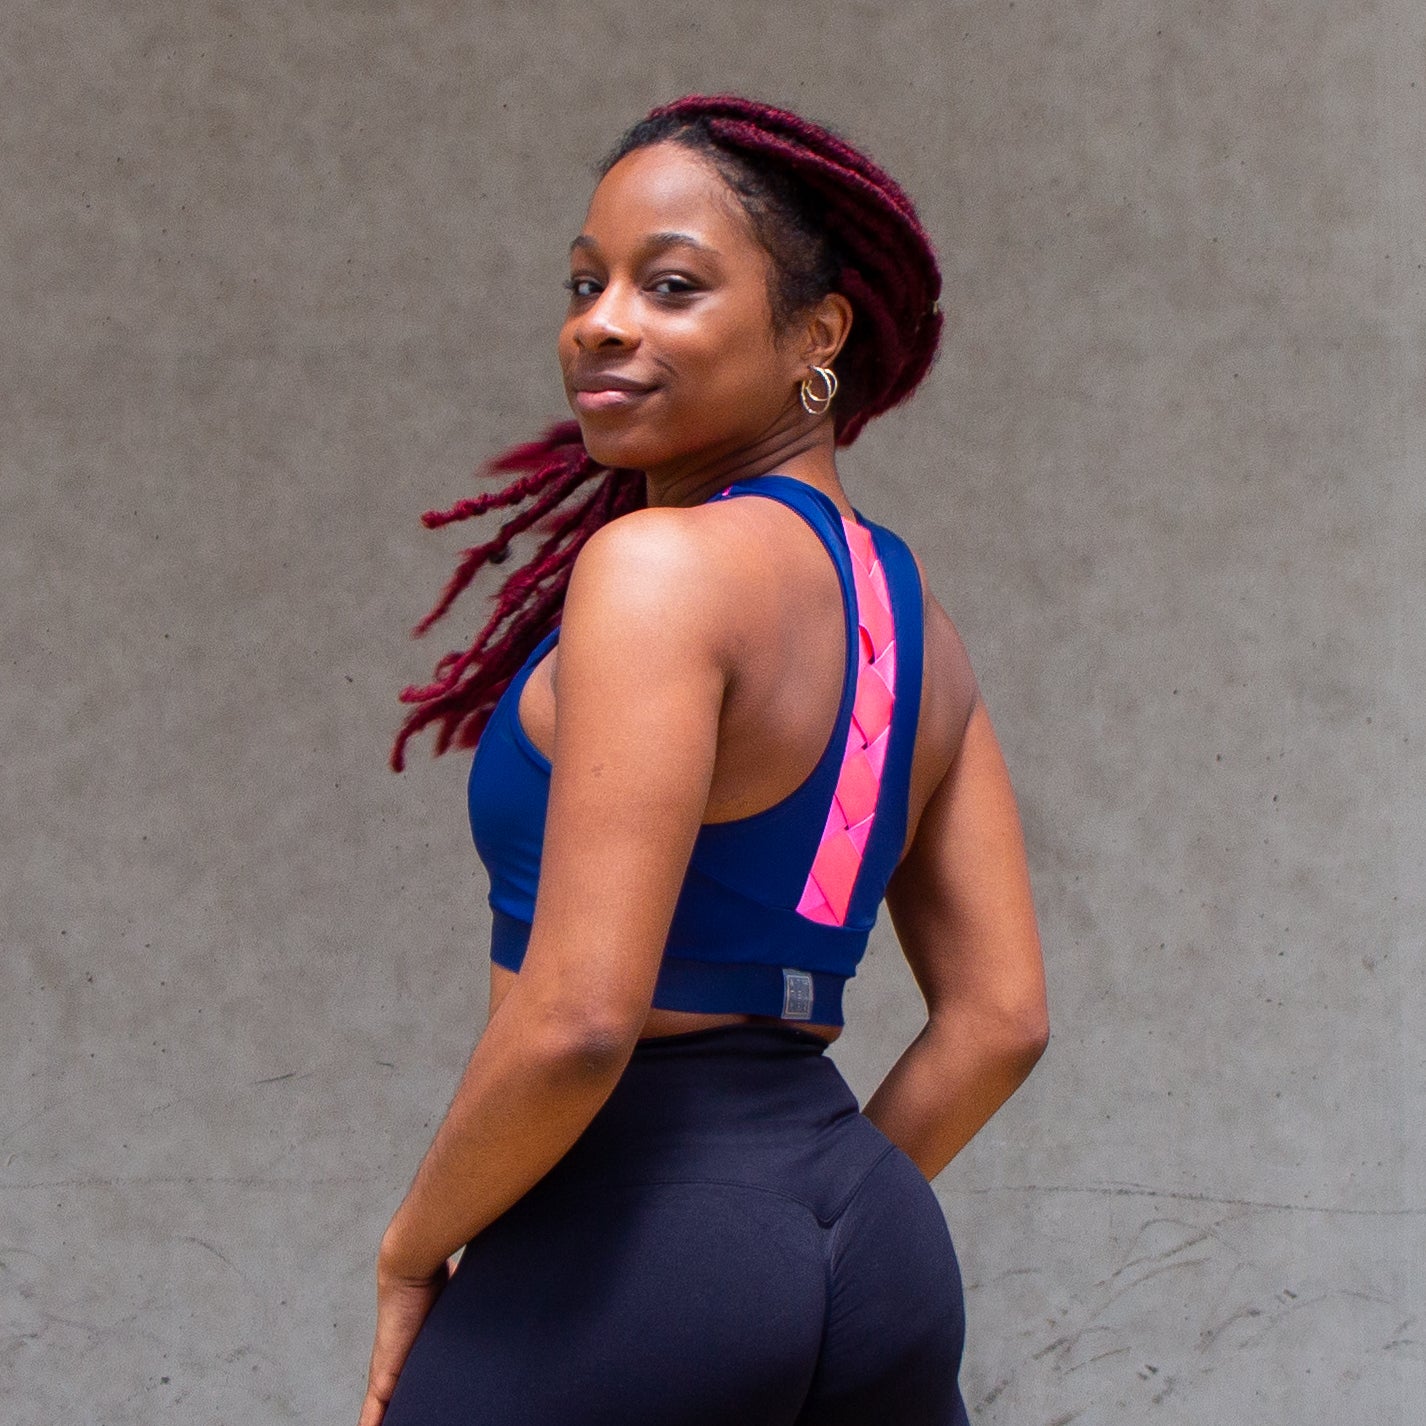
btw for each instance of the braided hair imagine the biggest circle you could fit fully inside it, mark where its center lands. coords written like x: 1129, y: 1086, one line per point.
x: 831, y: 221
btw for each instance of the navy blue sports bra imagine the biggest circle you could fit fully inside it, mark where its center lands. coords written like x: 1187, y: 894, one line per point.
x: 776, y: 907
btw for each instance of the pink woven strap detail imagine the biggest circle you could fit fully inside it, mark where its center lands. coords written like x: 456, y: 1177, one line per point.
x: 828, y: 891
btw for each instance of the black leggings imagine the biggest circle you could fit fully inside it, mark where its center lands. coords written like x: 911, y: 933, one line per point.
x: 729, y: 1241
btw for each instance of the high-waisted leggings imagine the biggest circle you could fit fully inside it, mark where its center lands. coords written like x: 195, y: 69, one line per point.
x: 730, y: 1242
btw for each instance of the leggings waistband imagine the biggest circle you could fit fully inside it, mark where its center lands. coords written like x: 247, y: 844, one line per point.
x: 724, y: 1040
x: 759, y: 1105
x: 729, y: 1076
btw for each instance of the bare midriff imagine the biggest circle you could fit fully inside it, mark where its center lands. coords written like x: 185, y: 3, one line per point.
x: 670, y: 1022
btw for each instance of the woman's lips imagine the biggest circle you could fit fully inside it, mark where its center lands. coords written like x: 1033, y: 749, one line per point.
x: 609, y: 398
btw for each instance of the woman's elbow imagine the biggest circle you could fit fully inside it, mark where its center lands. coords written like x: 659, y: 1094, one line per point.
x: 1014, y: 1032
x: 1025, y: 1025
x: 1029, y: 1035
x: 599, y: 1045
x: 580, y: 1037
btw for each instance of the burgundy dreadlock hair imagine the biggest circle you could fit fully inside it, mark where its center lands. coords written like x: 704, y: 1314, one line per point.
x: 832, y: 221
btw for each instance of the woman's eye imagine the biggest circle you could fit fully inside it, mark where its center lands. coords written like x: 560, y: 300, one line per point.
x: 586, y: 288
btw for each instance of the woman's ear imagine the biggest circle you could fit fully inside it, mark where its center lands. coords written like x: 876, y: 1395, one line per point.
x: 828, y: 325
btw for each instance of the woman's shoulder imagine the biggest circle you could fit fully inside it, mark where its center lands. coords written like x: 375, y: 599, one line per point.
x: 657, y: 572
x: 662, y: 548
x: 944, y: 644
x: 675, y: 551
x: 950, y: 689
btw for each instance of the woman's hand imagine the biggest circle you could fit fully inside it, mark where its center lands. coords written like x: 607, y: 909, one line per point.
x: 402, y: 1305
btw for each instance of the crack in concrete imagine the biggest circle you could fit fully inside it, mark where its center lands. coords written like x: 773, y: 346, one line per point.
x: 189, y: 1181
x: 1182, y: 1195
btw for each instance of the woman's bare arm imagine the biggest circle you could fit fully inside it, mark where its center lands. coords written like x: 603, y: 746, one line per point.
x: 640, y: 678
x: 961, y: 906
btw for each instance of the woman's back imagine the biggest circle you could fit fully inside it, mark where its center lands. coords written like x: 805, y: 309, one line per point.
x: 814, y: 791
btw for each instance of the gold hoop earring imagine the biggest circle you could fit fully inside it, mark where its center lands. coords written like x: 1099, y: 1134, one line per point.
x: 813, y: 402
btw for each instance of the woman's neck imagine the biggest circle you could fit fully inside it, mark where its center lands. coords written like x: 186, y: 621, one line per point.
x: 808, y: 456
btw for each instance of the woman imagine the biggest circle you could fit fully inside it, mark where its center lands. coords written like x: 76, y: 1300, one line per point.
x: 708, y: 747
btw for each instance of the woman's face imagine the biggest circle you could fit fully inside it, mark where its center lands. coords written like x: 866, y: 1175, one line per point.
x: 668, y: 350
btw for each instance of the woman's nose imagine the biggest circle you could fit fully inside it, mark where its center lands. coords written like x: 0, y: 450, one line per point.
x: 608, y: 321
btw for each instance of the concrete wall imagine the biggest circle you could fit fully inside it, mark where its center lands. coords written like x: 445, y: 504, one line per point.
x: 276, y: 277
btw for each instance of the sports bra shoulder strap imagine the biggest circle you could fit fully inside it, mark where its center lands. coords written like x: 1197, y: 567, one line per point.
x: 827, y: 521
x: 809, y: 502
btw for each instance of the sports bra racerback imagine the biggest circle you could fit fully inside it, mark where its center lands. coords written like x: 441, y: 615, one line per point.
x: 776, y: 907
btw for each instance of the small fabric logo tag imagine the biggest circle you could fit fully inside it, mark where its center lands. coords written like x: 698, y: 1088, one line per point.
x: 796, y: 995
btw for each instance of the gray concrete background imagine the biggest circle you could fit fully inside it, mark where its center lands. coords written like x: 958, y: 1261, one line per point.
x: 276, y: 277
